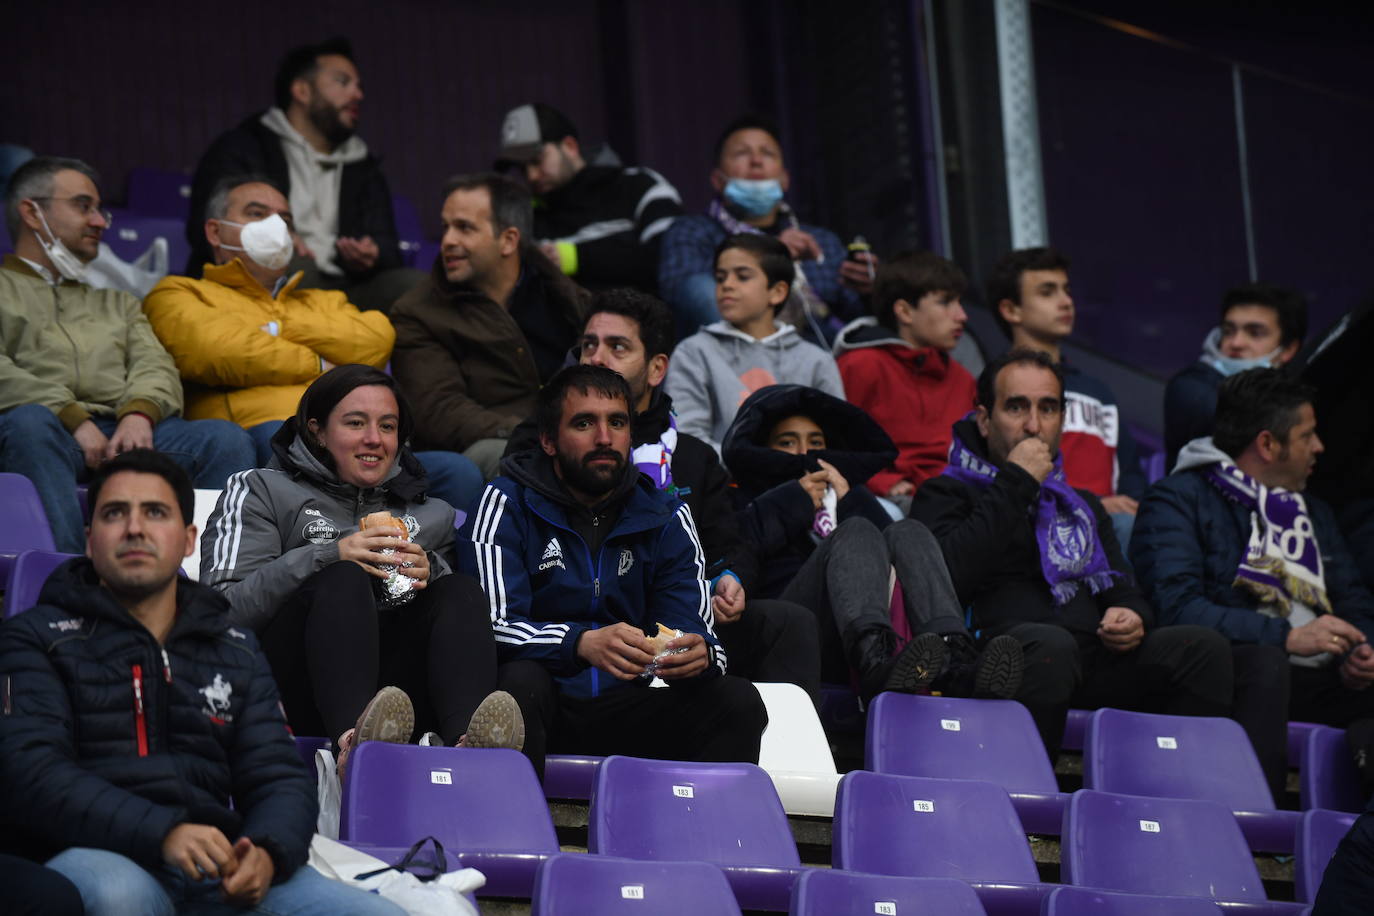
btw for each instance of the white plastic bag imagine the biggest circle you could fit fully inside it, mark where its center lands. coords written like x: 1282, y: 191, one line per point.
x: 442, y: 896
x: 109, y: 271
x: 327, y: 783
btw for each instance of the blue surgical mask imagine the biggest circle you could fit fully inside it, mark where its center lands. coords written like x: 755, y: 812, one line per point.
x: 755, y: 196
x: 1232, y: 365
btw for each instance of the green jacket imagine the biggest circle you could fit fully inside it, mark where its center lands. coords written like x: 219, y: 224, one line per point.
x: 80, y: 351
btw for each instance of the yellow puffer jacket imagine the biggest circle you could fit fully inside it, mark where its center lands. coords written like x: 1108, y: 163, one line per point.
x: 246, y: 356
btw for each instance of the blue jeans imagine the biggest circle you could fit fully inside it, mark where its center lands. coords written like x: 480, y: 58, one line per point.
x: 697, y: 304
x: 262, y: 440
x: 113, y: 885
x: 33, y: 442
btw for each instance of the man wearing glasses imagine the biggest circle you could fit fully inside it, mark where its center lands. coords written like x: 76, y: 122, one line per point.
x: 82, y: 376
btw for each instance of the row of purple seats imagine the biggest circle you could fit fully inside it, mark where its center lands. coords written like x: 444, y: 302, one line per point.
x: 25, y: 524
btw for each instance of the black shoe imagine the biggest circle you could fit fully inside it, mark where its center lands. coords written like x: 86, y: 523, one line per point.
x: 997, y: 672
x: 919, y: 663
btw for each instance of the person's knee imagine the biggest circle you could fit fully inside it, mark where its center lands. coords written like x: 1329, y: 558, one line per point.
x: 740, y: 705
x: 1262, y: 664
x: 527, y: 681
x: 909, y: 534
x: 1051, y: 661
x: 33, y: 427
x: 111, y: 884
x: 1195, y: 643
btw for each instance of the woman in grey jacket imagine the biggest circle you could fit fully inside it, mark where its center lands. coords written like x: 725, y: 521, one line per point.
x: 342, y: 611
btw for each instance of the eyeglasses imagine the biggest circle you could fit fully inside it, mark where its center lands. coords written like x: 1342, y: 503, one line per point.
x: 85, y: 206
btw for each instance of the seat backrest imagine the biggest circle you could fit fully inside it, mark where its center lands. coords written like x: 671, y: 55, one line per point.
x: 794, y: 739
x: 1156, y: 846
x: 206, y: 500
x: 30, y: 570
x: 133, y: 232
x: 1328, y: 778
x: 726, y: 813
x: 828, y: 892
x: 951, y: 738
x: 157, y: 192
x: 469, y: 799
x: 576, y: 884
x: 1319, y: 833
x: 23, y: 523
x: 1137, y: 753
x: 1088, y: 901
x: 938, y: 828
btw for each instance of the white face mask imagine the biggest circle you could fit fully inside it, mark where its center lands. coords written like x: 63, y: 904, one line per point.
x: 59, y: 255
x: 1231, y: 365
x: 266, y: 241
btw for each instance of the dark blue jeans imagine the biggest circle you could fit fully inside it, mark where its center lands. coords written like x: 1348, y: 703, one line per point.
x: 33, y: 442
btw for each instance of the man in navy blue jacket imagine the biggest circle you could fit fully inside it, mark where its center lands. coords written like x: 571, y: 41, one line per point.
x: 133, y: 712
x: 1230, y: 541
x: 583, y: 559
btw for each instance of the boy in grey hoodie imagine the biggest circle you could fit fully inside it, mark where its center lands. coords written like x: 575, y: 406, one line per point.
x: 714, y: 370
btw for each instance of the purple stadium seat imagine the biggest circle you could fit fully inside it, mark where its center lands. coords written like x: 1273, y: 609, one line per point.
x: 937, y: 828
x: 23, y: 523
x: 1319, y: 833
x: 948, y: 738
x: 567, y: 776
x: 157, y: 192
x: 1136, y: 753
x: 133, y: 232
x: 484, y: 806
x: 26, y: 576
x: 1075, y: 725
x: 1141, y: 845
x: 724, y: 813
x: 1297, y: 742
x: 1087, y: 901
x: 576, y: 885
x: 1328, y: 778
x: 827, y: 892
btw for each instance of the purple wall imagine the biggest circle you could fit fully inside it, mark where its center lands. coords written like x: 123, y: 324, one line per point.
x: 153, y: 88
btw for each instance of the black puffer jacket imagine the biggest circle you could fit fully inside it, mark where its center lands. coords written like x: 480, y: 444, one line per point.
x: 84, y: 763
x: 776, y: 514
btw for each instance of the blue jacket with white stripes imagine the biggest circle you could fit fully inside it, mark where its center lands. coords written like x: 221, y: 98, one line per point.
x: 546, y: 584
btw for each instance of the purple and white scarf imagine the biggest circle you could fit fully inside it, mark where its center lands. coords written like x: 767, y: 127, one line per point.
x: 655, y: 459
x: 1071, y: 553
x: 1283, y: 562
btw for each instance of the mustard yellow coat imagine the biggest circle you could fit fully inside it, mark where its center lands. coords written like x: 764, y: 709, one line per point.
x: 247, y: 356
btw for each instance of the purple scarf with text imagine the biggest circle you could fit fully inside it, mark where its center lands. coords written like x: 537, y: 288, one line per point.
x: 1065, y: 528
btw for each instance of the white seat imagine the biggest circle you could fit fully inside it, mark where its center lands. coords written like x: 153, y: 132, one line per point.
x: 206, y: 500
x: 795, y: 752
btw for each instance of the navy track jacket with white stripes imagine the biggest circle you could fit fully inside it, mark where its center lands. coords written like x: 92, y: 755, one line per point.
x: 545, y: 588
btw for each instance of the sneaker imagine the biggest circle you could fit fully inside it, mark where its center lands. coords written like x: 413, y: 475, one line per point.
x: 388, y: 716
x: 997, y: 672
x: 496, y: 723
x: 919, y: 663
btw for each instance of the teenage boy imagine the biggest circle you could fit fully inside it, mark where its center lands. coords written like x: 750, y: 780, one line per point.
x: 1030, y: 290
x: 1262, y: 326
x: 715, y: 369
x: 897, y: 366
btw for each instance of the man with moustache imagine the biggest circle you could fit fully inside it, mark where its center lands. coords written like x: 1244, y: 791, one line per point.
x: 583, y: 559
x: 306, y: 143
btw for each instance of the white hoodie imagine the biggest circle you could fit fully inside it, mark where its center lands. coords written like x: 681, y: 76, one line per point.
x: 315, y: 182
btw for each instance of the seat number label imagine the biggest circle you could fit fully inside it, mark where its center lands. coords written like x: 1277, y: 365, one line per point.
x: 683, y: 792
x: 441, y: 777
x: 884, y: 908
x: 1166, y: 743
x: 1149, y: 826
x: 923, y: 806
x: 950, y: 725
x: 632, y: 892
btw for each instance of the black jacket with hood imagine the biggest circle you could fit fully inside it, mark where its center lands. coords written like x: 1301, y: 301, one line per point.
x: 777, y: 514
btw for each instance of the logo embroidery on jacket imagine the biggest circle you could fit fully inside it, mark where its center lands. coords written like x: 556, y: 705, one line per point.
x: 66, y: 626
x: 412, y: 526
x: 627, y: 559
x: 217, y: 697
x: 553, y: 555
x: 320, y: 531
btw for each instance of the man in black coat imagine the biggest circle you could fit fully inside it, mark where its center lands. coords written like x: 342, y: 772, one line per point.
x: 133, y: 712
x: 307, y: 144
x: 1039, y: 561
x: 771, y: 641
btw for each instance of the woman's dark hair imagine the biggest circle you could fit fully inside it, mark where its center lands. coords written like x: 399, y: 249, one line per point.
x: 325, y: 393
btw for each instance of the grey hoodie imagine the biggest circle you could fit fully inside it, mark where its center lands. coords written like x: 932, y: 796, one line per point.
x: 1198, y: 454
x: 273, y: 529
x: 714, y: 370
x: 316, y: 179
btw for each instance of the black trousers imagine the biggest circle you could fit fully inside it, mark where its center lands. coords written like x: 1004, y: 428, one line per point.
x: 715, y: 719
x: 331, y: 649
x: 1183, y: 670
x: 774, y: 642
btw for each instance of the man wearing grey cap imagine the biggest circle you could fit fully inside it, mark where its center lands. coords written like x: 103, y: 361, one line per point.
x: 601, y: 224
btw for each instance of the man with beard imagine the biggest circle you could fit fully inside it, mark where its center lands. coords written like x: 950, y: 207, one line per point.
x: 586, y: 564
x: 306, y: 143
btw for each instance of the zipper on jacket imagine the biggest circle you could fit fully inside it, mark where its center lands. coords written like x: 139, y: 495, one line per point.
x: 166, y: 667
x: 140, y: 720
x: 9, y: 707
